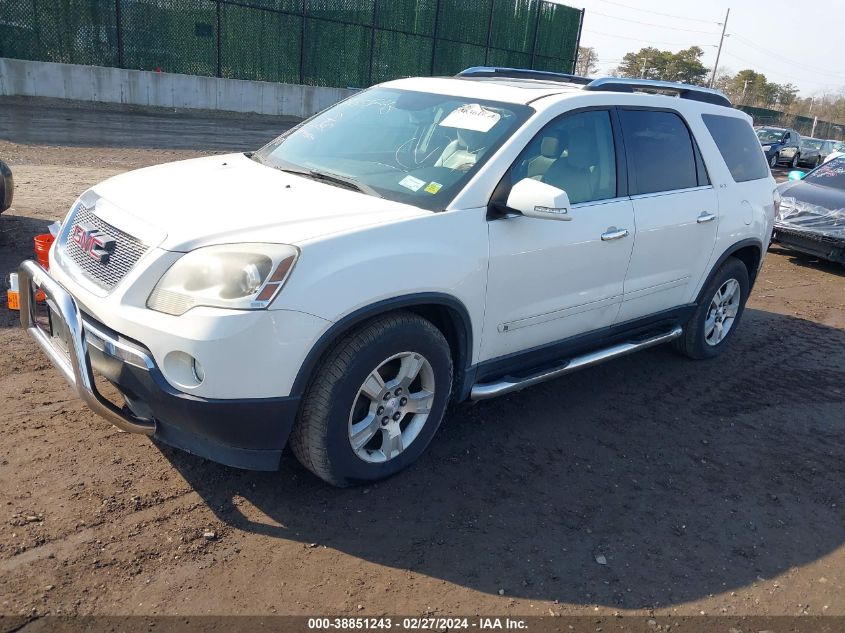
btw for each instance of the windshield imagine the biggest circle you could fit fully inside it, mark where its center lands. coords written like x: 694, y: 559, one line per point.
x: 812, y: 143
x: 831, y: 174
x: 769, y: 135
x: 412, y: 147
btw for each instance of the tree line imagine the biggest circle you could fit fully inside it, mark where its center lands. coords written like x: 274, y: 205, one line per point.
x: 746, y: 87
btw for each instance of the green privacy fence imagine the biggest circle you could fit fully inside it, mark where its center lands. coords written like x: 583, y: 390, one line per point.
x: 341, y: 43
x: 801, y: 124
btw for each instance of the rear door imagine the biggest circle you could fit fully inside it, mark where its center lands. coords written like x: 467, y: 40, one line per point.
x: 676, y: 211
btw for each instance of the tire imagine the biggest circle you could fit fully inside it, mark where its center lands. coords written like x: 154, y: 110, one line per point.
x: 795, y: 160
x: 7, y: 187
x: 374, y: 357
x: 698, y: 340
x: 818, y: 162
x: 773, y: 162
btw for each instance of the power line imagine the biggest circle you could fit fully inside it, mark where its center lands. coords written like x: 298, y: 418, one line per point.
x: 747, y: 42
x: 662, y: 26
x: 639, y: 39
x: 751, y: 64
x: 665, y: 15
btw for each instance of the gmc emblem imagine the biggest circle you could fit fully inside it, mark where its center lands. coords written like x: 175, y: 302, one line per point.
x: 93, y: 241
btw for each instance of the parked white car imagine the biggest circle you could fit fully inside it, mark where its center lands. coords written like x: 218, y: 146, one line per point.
x: 423, y: 242
x: 838, y: 150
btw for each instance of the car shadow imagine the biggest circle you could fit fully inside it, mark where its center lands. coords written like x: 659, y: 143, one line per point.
x: 650, y: 480
x: 16, y: 244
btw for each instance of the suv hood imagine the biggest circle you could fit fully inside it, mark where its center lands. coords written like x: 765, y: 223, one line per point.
x: 230, y: 198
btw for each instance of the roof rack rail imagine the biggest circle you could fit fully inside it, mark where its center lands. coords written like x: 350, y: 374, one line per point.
x: 523, y: 73
x: 684, y: 91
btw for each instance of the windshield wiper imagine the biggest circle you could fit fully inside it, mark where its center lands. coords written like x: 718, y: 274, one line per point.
x: 334, y: 179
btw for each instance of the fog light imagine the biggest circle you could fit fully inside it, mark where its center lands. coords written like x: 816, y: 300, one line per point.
x: 183, y: 370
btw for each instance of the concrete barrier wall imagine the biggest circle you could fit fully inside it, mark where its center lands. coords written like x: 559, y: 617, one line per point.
x: 167, y: 90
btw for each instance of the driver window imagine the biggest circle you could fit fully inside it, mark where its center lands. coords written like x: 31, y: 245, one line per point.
x: 574, y: 153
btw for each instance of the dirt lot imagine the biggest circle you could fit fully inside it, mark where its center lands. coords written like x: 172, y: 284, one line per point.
x: 712, y: 487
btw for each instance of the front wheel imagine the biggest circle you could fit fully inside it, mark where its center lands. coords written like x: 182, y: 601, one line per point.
x: 375, y: 401
x: 795, y: 160
x: 718, y: 312
x: 773, y: 161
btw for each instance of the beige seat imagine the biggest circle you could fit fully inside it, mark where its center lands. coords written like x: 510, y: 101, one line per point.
x: 551, y: 148
x: 576, y: 172
x: 464, y: 151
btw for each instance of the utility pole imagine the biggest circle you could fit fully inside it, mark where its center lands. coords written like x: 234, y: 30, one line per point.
x: 744, y: 88
x: 719, y: 52
x: 642, y: 74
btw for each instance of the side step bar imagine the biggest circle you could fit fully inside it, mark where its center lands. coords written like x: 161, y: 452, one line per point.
x: 509, y: 384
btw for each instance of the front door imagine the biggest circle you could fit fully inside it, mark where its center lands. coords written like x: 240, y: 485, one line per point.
x: 550, y: 280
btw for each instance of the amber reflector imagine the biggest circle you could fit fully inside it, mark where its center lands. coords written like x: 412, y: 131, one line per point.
x: 267, y: 293
x: 282, y: 271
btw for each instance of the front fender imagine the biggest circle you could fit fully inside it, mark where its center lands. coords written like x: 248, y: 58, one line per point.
x: 442, y: 254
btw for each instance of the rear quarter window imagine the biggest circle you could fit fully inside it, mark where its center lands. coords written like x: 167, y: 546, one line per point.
x: 739, y: 147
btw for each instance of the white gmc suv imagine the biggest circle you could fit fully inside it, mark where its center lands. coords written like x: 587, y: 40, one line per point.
x: 425, y: 241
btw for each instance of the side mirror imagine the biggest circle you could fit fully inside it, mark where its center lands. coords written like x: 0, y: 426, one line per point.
x: 796, y: 174
x: 7, y: 187
x: 536, y: 199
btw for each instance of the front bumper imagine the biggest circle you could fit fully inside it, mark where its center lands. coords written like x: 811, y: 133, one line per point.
x: 822, y: 246
x: 245, y: 433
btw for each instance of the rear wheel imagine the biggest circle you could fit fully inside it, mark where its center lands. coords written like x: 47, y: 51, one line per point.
x: 375, y: 401
x: 795, y: 160
x: 718, y: 313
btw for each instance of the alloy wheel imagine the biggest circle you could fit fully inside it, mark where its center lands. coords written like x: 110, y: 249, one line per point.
x: 722, y: 312
x: 391, y: 407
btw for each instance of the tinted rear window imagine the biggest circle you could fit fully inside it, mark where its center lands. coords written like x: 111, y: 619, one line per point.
x: 660, y: 151
x: 739, y: 147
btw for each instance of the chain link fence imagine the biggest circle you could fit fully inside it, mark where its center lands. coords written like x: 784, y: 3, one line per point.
x: 801, y: 124
x: 339, y: 43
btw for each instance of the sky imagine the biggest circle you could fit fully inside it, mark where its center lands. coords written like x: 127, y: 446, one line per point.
x: 787, y: 40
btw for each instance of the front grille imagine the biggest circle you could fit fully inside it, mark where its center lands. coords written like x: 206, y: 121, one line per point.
x: 127, y: 251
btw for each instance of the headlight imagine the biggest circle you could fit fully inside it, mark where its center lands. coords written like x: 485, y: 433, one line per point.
x: 236, y: 276
x: 766, y: 148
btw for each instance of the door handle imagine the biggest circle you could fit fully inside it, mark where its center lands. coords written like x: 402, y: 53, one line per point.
x: 614, y: 234
x: 706, y: 217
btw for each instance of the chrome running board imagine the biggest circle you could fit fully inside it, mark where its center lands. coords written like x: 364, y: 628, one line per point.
x: 509, y: 384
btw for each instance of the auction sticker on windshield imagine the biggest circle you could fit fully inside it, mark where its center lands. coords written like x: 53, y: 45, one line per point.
x: 414, y: 184
x: 472, y: 117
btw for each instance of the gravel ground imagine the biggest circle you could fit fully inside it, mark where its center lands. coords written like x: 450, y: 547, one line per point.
x: 704, y: 487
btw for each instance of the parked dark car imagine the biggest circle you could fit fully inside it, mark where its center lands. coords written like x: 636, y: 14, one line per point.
x: 781, y: 145
x: 7, y: 186
x: 811, y: 151
x: 811, y: 218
